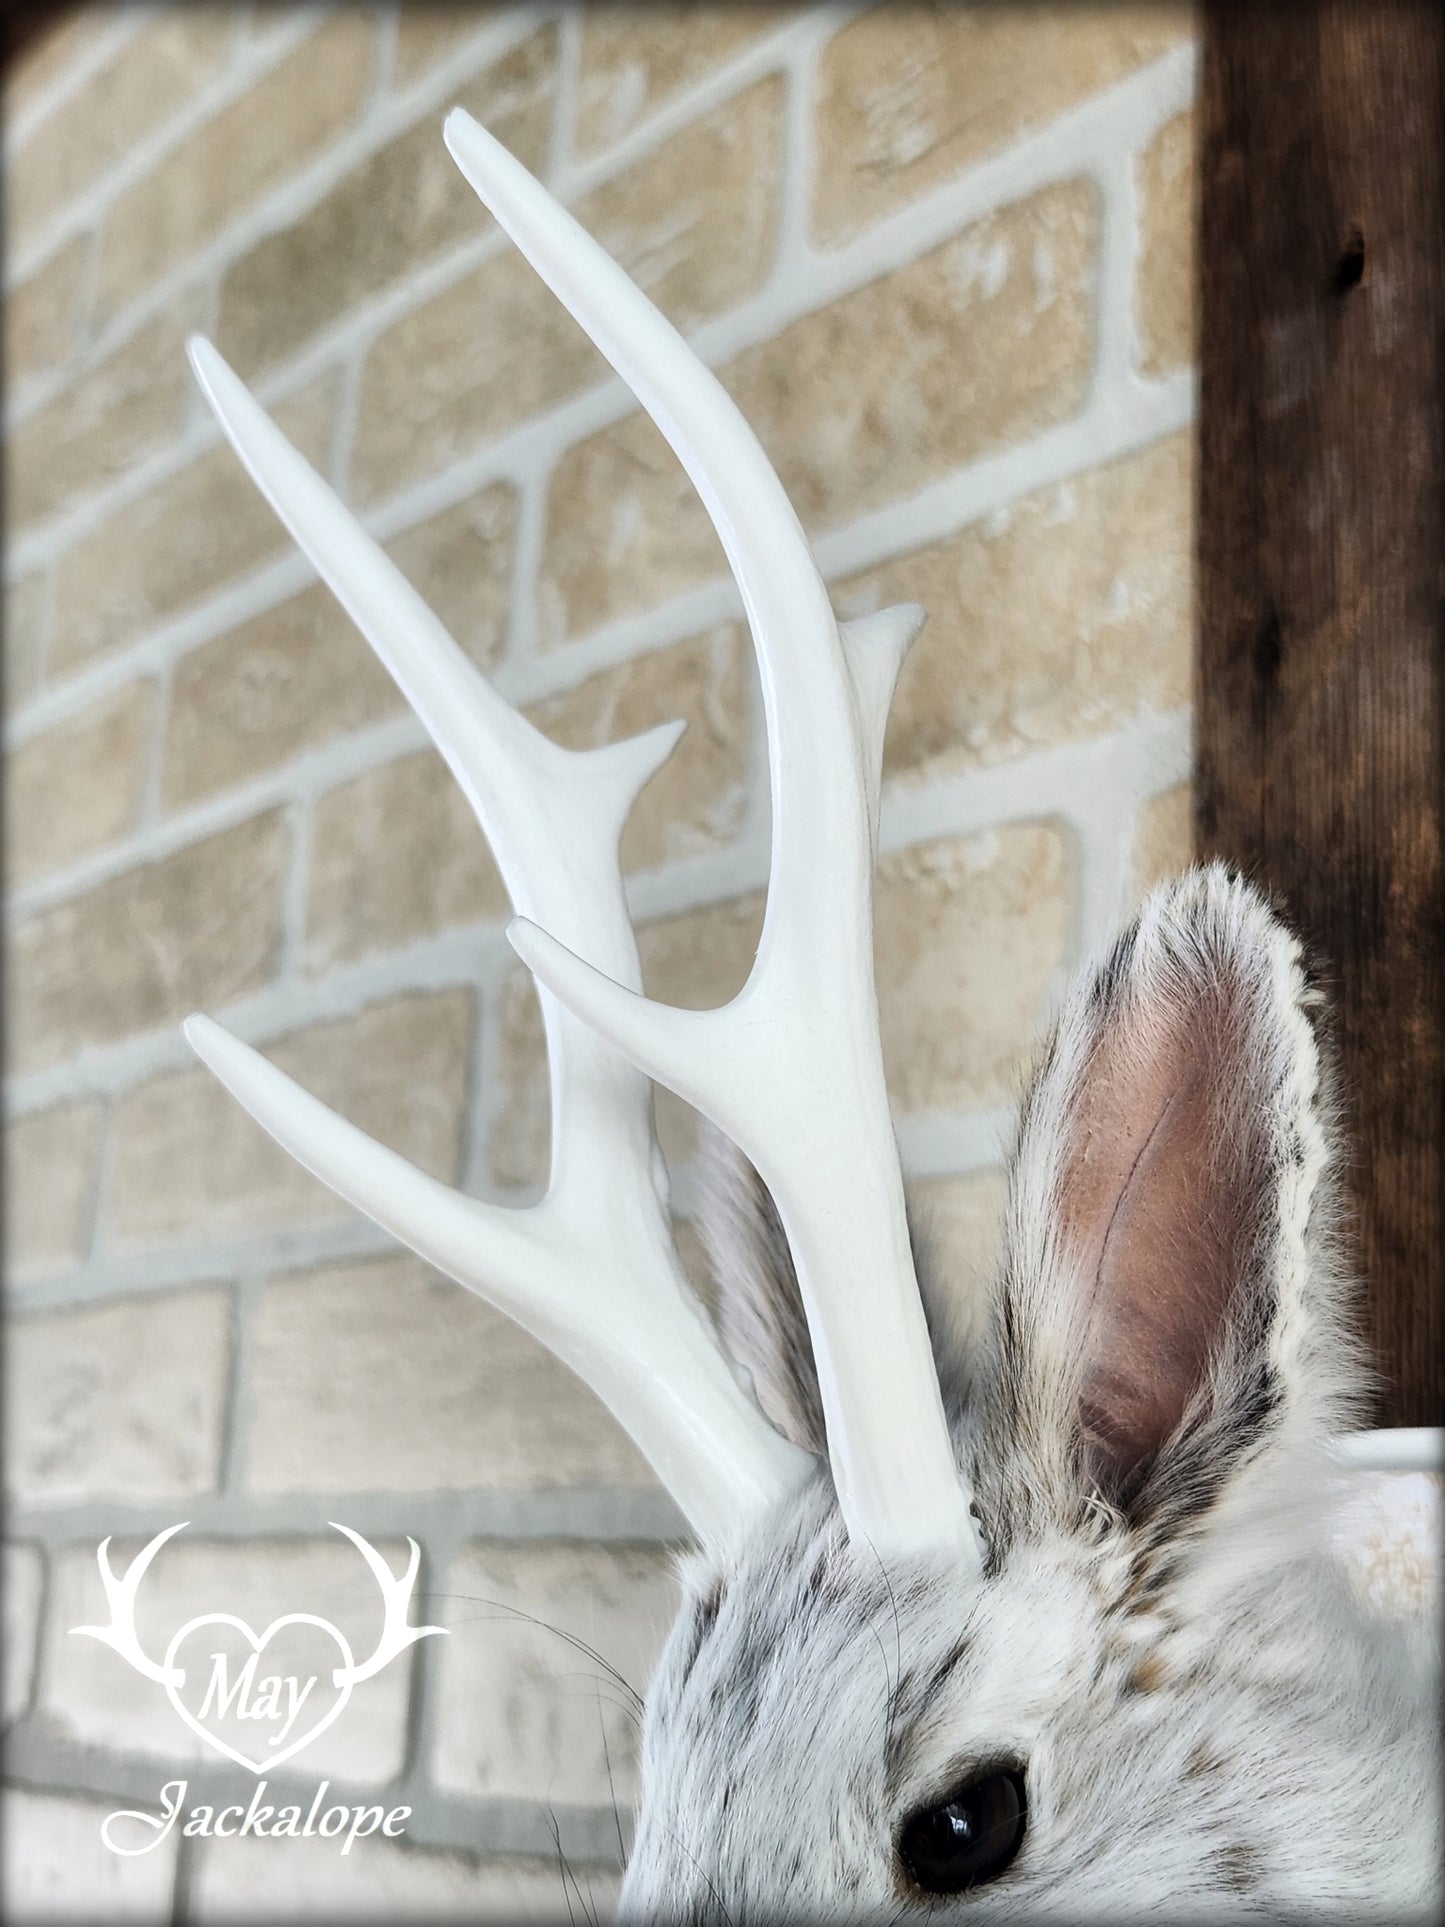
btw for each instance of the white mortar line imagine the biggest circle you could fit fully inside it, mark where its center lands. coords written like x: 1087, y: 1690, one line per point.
x: 950, y: 1143
x: 1077, y: 144
x: 1121, y: 422
x: 126, y: 24
x: 139, y: 1270
x: 639, y: 1513
x: 343, y: 436
x: 772, y: 53
x: 1139, y: 762
x: 528, y: 541
x: 320, y: 770
x: 564, y: 106
x: 384, y: 67
x: 233, y: 80
x: 800, y: 107
x: 379, y: 121
x: 1116, y: 423
x: 244, y: 1299
x: 83, y: 517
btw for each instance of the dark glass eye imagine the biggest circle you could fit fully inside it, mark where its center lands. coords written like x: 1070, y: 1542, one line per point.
x: 968, y: 1838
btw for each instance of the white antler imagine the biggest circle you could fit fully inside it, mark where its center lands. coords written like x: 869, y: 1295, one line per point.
x: 396, y: 1635
x: 592, y: 1270
x: 120, y: 1598
x: 792, y: 1069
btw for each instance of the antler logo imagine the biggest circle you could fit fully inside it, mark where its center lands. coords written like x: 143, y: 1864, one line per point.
x: 279, y: 1700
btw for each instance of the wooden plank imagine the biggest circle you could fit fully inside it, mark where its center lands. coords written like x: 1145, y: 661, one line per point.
x: 1322, y: 576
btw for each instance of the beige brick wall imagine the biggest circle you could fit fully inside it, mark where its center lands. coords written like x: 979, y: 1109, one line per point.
x: 942, y: 258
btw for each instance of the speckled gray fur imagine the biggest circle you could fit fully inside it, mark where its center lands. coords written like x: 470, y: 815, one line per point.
x: 1209, y: 1725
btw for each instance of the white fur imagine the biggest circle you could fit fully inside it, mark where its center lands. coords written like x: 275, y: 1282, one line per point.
x: 1241, y: 1737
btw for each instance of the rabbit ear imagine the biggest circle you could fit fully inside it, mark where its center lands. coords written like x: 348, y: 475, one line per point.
x: 1166, y: 1309
x: 759, y: 1304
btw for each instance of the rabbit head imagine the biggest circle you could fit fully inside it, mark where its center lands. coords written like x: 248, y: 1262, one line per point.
x: 1158, y: 1692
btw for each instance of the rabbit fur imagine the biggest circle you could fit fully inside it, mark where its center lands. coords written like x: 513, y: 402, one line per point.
x: 1208, y: 1723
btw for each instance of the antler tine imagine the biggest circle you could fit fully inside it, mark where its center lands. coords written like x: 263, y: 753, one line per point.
x: 792, y: 1068
x: 396, y: 1633
x: 553, y: 818
x: 120, y: 1597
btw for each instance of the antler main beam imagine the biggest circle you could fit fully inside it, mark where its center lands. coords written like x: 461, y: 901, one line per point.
x: 592, y: 1270
x: 792, y: 1069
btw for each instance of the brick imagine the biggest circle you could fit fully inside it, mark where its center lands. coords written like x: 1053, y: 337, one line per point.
x: 701, y: 958
x: 186, y: 538
x: 692, y: 222
x: 121, y: 1402
x: 696, y: 223
x: 393, y: 212
x: 50, y: 1170
x: 91, y: 1696
x: 187, y: 1158
x: 135, y: 401
x: 1163, y: 838
x: 269, y: 133
x: 472, y: 362
x: 165, y: 65
x: 957, y: 1226
x: 625, y: 532
x: 1164, y: 314
x: 1064, y: 615
x: 697, y: 800
x: 386, y: 1376
x: 42, y: 317
x: 78, y: 785
x: 288, y: 680
x: 519, y: 1717
x: 460, y: 562
x: 50, y: 54
x: 980, y: 343
x: 395, y: 854
x: 426, y: 36
x: 248, y: 1880
x: 909, y: 96
x: 193, y: 929
x: 519, y: 1105
x: 27, y: 601
x: 636, y: 57
x: 697, y: 961
x: 67, y: 1872
x: 23, y: 1576
x: 971, y: 935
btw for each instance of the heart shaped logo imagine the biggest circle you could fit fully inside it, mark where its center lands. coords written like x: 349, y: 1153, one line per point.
x: 236, y: 1689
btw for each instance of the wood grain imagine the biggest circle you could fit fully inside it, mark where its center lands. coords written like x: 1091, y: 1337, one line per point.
x: 1322, y: 576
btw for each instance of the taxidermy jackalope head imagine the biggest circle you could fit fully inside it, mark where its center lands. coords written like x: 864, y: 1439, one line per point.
x: 1020, y: 1615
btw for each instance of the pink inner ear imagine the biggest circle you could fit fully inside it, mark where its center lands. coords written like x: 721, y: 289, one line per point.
x: 1161, y: 1194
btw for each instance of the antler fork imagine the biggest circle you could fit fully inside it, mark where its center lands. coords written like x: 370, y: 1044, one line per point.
x: 791, y: 1069
x: 591, y: 1270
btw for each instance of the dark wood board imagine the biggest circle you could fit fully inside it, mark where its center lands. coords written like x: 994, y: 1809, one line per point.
x: 1321, y: 549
